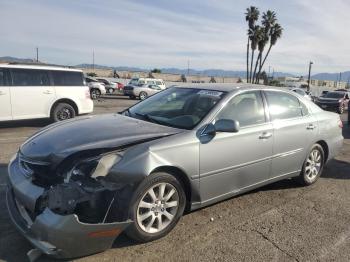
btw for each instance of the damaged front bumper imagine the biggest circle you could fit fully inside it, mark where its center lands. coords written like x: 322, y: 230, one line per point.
x: 60, y: 236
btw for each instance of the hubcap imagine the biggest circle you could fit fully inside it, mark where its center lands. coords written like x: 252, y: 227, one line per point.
x: 64, y: 114
x: 157, y: 208
x: 143, y: 96
x: 313, y: 164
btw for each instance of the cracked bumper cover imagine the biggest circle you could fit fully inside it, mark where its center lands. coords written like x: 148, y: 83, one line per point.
x: 60, y: 236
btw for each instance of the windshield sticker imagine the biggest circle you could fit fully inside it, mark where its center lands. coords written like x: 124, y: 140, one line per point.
x: 209, y: 93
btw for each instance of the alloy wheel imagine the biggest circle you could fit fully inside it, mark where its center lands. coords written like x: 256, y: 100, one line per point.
x: 143, y: 95
x: 157, y: 208
x: 313, y: 164
x: 64, y: 114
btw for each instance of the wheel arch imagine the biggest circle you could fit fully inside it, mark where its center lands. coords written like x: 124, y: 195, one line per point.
x: 182, y: 177
x: 67, y: 101
x: 325, y: 148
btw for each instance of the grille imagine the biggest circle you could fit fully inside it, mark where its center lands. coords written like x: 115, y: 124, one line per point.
x: 40, y: 172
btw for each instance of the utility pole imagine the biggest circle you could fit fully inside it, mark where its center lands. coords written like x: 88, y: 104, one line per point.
x: 93, y: 60
x: 339, y: 78
x: 37, y: 54
x: 308, y: 80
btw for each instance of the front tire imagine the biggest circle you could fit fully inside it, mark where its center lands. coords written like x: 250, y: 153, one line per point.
x: 313, y: 166
x: 143, y: 95
x: 62, y: 111
x: 95, y: 93
x: 156, y: 207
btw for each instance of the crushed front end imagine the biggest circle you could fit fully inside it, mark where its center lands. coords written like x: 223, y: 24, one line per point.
x: 70, y: 212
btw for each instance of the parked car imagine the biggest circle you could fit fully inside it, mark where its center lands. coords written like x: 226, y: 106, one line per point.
x: 96, y: 88
x: 141, y: 92
x: 337, y: 101
x: 324, y: 93
x: 183, y: 148
x: 109, y: 85
x: 302, y: 92
x: 28, y: 91
x: 147, y: 81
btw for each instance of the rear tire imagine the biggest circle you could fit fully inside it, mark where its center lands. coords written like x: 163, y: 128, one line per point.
x: 62, y: 111
x: 155, y: 214
x: 110, y: 90
x: 313, y: 166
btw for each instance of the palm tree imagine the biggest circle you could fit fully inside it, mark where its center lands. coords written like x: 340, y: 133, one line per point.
x: 251, y: 16
x: 275, y: 34
x: 254, y: 36
x: 263, y: 39
x: 268, y: 21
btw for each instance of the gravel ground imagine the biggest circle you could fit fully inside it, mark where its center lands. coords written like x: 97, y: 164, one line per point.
x: 279, y: 222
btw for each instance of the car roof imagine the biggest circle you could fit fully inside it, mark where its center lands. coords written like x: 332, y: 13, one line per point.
x: 42, y: 67
x: 229, y: 87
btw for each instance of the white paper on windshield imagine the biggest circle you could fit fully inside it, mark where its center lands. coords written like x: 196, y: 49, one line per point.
x: 209, y: 93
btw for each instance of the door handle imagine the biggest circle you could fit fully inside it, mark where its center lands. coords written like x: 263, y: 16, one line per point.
x: 311, y: 127
x: 47, y: 92
x: 265, y: 135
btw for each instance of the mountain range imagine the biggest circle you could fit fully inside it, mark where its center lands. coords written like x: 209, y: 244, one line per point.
x: 345, y: 76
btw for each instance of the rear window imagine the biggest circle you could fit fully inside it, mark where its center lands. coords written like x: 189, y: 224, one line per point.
x: 30, y: 77
x: 66, y: 78
x: 283, y: 105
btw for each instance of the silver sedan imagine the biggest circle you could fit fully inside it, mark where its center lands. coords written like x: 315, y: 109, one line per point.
x: 141, y: 91
x: 181, y: 149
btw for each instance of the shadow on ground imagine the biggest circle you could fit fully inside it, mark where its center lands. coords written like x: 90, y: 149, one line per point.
x: 25, y: 123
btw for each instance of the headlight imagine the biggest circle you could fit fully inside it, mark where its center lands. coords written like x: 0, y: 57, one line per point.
x: 96, y: 166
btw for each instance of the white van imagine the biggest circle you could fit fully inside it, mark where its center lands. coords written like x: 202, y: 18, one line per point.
x: 147, y: 81
x: 28, y: 91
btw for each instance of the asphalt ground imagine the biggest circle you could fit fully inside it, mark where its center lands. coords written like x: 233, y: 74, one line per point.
x: 279, y: 222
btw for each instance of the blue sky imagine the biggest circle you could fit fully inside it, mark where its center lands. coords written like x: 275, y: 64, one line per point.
x: 163, y: 33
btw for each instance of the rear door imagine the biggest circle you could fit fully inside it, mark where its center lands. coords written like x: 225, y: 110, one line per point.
x: 294, y: 132
x: 32, y: 94
x: 5, y: 96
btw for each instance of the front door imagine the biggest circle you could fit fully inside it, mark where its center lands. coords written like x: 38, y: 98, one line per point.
x: 230, y: 162
x: 31, y: 93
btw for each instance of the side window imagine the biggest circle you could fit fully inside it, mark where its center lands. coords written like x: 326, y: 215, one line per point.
x: 300, y: 92
x: 283, y: 105
x: 30, y: 77
x: 247, y: 108
x: 65, y: 78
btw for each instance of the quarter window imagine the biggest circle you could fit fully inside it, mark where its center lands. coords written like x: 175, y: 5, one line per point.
x: 283, y: 105
x: 30, y: 77
x: 246, y: 108
x: 65, y: 78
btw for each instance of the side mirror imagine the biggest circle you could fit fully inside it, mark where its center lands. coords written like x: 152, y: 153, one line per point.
x: 227, y: 125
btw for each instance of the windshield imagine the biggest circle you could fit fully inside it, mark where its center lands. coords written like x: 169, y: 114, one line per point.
x: 334, y: 95
x: 176, y: 107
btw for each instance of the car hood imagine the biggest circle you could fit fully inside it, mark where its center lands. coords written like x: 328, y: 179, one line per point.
x: 107, y: 132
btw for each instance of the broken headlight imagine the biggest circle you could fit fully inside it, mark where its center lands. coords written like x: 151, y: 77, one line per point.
x: 95, y: 167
